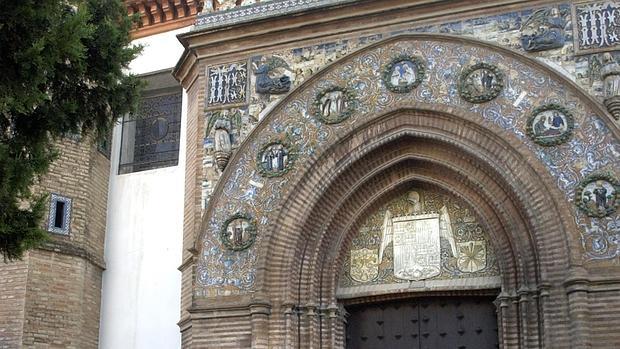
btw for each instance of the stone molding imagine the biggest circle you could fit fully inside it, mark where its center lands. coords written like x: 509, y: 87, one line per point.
x: 493, y: 282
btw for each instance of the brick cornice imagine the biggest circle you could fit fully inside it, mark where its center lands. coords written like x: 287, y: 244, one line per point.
x: 163, y: 15
x: 71, y: 249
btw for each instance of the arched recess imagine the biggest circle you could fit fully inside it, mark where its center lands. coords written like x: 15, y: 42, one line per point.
x: 478, y: 152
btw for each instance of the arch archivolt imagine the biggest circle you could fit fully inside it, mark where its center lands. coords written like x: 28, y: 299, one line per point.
x: 521, y: 192
x: 381, y: 169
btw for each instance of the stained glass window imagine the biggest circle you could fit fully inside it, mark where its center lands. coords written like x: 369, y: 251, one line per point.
x: 151, y: 137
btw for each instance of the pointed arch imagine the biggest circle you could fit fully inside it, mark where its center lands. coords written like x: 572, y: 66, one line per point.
x: 346, y: 168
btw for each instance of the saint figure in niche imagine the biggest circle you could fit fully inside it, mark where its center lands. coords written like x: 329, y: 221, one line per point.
x: 416, y: 205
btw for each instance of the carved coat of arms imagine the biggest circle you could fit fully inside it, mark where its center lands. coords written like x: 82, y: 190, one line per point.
x: 416, y: 240
x: 364, y: 265
x: 472, y: 256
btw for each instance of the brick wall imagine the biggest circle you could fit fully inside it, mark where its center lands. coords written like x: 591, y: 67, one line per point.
x: 12, y: 299
x: 52, y: 298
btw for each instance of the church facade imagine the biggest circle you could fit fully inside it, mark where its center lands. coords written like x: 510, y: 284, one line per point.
x: 354, y: 174
x: 415, y: 174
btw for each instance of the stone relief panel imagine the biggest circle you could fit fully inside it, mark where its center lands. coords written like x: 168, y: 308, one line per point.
x: 543, y: 30
x: 420, y: 235
x: 597, y: 26
x: 227, y: 85
x: 526, y: 88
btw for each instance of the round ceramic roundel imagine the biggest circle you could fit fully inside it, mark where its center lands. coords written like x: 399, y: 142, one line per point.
x: 598, y: 195
x: 480, y: 83
x: 275, y: 159
x: 334, y: 104
x: 403, y: 73
x: 238, y: 232
x: 159, y: 128
x: 550, y: 125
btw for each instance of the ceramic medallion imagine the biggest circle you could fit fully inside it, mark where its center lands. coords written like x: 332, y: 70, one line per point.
x: 598, y: 195
x: 403, y: 73
x: 550, y: 125
x: 275, y: 158
x: 238, y: 232
x: 334, y: 104
x: 481, y: 83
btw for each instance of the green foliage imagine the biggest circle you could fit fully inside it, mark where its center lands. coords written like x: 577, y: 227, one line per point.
x: 62, y: 71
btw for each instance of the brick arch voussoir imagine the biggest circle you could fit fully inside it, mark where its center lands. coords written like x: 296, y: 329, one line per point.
x: 507, y: 254
x: 317, y: 185
x: 288, y: 268
x: 398, y: 172
x: 358, y: 193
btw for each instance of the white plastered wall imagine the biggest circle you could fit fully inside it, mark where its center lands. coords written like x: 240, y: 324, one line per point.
x: 140, y: 303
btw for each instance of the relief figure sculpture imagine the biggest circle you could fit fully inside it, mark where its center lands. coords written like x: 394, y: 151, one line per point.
x: 544, y: 30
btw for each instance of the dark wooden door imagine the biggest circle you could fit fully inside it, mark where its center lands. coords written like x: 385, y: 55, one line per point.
x: 424, y: 323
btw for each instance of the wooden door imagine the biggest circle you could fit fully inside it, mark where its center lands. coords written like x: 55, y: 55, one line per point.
x: 424, y: 323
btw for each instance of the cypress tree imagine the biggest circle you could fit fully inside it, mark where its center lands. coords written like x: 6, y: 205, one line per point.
x: 63, y: 70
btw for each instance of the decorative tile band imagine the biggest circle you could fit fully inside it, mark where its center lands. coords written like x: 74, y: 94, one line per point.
x: 59, y: 218
x: 259, y: 11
